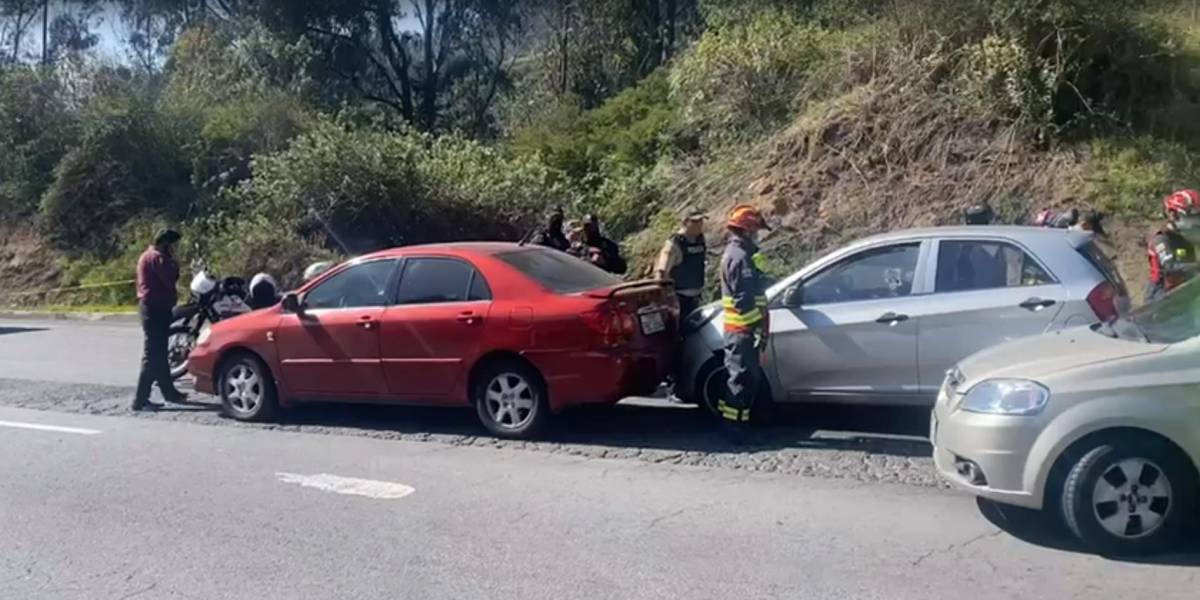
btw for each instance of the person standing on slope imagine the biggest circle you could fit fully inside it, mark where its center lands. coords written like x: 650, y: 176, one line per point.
x: 1171, y: 250
x: 682, y: 260
x: 552, y: 236
x: 599, y: 250
x: 747, y: 322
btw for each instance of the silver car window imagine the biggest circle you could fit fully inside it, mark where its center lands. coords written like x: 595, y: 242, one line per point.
x: 886, y: 272
x: 965, y: 265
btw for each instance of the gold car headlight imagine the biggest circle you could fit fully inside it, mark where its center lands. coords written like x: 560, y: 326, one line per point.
x: 1017, y: 397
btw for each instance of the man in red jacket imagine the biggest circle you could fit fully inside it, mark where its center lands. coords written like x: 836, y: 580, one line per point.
x: 157, y: 274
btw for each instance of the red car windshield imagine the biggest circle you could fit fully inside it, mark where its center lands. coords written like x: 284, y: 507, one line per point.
x: 558, y: 272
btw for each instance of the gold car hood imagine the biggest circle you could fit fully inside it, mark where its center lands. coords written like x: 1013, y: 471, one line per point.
x: 1041, y: 355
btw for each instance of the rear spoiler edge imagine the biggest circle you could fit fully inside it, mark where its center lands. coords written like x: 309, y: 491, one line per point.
x: 631, y: 286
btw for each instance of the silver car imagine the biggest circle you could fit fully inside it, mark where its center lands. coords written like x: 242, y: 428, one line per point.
x: 881, y: 320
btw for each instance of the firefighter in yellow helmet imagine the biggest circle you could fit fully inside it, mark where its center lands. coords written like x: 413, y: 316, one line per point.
x: 743, y: 295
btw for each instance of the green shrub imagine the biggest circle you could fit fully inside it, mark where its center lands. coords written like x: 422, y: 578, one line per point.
x: 360, y: 190
x: 635, y: 128
x: 128, y: 163
x: 37, y: 127
x: 742, y: 78
x: 1129, y: 176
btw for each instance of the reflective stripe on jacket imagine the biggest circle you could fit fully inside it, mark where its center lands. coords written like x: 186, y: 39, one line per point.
x: 743, y: 287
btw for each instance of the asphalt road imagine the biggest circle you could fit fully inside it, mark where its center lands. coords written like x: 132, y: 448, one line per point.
x: 351, y: 502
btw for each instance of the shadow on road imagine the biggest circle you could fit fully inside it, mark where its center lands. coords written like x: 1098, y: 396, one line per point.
x: 10, y: 330
x: 1043, y: 529
x: 892, y: 431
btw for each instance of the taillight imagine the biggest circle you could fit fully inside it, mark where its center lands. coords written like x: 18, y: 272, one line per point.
x: 1103, y: 300
x: 613, y: 325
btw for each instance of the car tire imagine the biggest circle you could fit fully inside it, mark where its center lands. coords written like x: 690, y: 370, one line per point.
x: 247, y: 389
x: 1129, y: 497
x: 511, y: 400
x: 712, y: 384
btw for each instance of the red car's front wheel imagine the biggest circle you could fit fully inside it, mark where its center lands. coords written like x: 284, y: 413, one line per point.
x: 511, y: 399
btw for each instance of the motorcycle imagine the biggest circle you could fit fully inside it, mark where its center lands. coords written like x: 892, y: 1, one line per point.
x: 212, y: 301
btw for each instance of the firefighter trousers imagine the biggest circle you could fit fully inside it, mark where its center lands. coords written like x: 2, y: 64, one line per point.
x: 742, y: 364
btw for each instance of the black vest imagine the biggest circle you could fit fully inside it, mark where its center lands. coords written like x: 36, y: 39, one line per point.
x: 689, y: 274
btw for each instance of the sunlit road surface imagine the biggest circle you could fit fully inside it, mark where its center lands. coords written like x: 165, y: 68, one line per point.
x: 335, y: 504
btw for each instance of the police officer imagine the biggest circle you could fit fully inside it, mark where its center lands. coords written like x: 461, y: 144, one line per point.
x: 682, y: 260
x: 1171, y: 250
x: 743, y: 296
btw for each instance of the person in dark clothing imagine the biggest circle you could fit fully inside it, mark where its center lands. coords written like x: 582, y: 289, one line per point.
x: 157, y: 274
x: 552, y: 236
x: 599, y: 250
x: 682, y: 261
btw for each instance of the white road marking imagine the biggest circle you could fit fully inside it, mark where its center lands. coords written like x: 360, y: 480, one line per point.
x: 350, y: 486
x: 54, y: 428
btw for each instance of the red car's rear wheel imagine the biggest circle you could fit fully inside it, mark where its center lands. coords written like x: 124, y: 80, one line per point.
x: 511, y: 399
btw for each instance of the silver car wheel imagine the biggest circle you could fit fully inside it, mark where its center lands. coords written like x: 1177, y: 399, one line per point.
x: 1132, y: 498
x: 243, y: 388
x: 510, y: 400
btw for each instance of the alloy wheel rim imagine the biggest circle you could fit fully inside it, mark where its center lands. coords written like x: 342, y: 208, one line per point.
x: 1131, y: 498
x: 243, y: 388
x: 510, y: 401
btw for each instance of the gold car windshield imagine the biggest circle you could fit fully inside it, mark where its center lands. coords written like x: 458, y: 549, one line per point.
x: 1172, y: 318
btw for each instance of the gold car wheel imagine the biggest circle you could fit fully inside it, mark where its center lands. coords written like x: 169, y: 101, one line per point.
x: 1132, y: 498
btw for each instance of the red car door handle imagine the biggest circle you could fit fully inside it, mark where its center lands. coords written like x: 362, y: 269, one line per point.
x: 366, y: 322
x: 469, y: 318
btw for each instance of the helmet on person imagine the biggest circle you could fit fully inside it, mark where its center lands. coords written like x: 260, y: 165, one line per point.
x: 747, y: 218
x: 1183, y: 203
x: 316, y: 269
x: 979, y: 214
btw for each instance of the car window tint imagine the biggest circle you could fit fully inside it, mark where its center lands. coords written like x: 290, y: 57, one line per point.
x: 557, y: 271
x: 356, y: 286
x: 982, y: 265
x: 878, y: 273
x: 479, y: 288
x: 434, y: 280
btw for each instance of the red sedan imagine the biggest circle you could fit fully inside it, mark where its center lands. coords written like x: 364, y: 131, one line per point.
x: 519, y: 332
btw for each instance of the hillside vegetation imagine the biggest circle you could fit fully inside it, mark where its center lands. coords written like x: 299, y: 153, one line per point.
x: 275, y: 134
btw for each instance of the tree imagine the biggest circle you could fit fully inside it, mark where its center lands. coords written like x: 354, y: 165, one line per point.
x: 19, y: 16
x: 408, y: 54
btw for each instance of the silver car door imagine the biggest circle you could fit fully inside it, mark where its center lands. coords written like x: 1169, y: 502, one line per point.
x: 849, y: 332
x: 986, y: 291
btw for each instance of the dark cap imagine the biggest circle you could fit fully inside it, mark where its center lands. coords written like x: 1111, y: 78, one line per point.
x: 167, y: 236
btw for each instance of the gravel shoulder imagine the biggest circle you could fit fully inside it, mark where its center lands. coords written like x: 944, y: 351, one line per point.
x: 854, y: 443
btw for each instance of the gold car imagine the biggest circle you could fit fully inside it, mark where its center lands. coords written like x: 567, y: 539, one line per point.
x: 1099, y: 424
